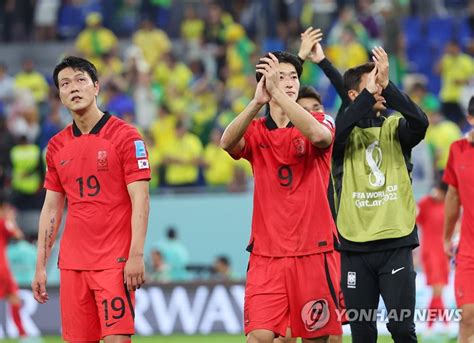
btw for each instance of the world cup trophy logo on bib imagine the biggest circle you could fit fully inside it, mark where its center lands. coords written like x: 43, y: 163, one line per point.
x: 373, y: 155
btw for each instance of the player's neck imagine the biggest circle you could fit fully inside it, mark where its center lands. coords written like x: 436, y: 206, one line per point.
x: 85, y: 121
x: 279, y: 117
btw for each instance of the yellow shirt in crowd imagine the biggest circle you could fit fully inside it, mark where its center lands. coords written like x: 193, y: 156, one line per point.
x: 188, y: 149
x: 35, y: 82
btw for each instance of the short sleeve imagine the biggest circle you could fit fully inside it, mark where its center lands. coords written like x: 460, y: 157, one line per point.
x: 449, y: 176
x: 51, y: 179
x: 246, y: 152
x: 326, y: 120
x: 134, y: 155
x: 5, y: 230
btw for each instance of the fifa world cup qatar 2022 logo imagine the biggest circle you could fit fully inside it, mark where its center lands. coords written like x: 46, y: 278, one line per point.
x: 373, y: 156
x: 315, y: 314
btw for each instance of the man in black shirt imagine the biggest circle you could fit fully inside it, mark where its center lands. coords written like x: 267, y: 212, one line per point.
x: 376, y: 247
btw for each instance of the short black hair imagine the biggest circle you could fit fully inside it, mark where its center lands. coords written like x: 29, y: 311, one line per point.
x: 76, y: 63
x: 353, y: 76
x: 3, y: 198
x: 470, y: 107
x: 309, y: 92
x: 171, y: 233
x: 285, y: 57
x: 442, y: 185
x: 223, y: 259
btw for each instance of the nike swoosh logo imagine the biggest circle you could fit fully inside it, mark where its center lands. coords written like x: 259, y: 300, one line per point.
x: 110, y: 324
x: 264, y: 146
x: 64, y: 162
x: 397, y: 270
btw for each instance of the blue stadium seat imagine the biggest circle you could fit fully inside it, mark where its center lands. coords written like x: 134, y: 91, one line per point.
x: 272, y: 44
x: 413, y: 28
x: 464, y: 32
x: 420, y: 56
x: 71, y: 21
x: 440, y: 30
x: 434, y: 83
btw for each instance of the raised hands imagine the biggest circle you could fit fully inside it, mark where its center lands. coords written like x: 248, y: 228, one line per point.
x: 380, y: 58
x: 310, y: 45
x: 261, y: 94
x: 269, y: 67
x: 372, y: 85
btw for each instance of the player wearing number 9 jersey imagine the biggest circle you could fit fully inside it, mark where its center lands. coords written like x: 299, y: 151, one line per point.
x: 99, y: 164
x: 291, y: 280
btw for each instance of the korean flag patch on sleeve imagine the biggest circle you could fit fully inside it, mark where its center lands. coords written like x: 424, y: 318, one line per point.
x: 140, y: 151
x: 143, y: 164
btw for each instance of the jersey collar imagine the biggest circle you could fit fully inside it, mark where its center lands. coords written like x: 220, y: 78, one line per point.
x: 271, y: 125
x: 97, y: 127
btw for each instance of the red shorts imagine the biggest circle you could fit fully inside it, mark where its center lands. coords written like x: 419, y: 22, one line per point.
x: 299, y: 292
x: 95, y: 304
x: 8, y: 286
x: 463, y: 286
x: 436, y: 267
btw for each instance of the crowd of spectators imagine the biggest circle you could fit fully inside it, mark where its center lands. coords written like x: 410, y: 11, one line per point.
x: 181, y: 81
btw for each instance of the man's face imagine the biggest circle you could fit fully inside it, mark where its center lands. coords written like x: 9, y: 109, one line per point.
x: 289, y: 82
x: 470, y: 119
x: 77, y: 91
x: 311, y: 104
x: 220, y: 267
x: 379, y: 105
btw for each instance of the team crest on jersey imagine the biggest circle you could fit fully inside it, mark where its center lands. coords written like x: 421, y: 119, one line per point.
x: 102, y: 162
x: 299, y: 145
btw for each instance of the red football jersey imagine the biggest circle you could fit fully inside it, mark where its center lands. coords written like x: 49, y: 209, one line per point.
x: 93, y: 170
x: 5, y: 235
x: 430, y: 219
x: 291, y: 214
x: 459, y: 173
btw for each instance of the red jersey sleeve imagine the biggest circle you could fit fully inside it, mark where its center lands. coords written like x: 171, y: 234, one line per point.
x: 51, y: 180
x: 5, y: 230
x: 134, y: 155
x: 246, y: 152
x: 326, y: 120
x: 449, y: 176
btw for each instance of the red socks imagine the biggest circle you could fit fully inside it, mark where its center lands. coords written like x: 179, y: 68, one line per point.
x: 16, y: 318
x: 436, y: 304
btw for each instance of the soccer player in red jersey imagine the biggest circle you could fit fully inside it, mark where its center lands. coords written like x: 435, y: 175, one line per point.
x: 292, y: 278
x: 8, y: 286
x: 430, y: 220
x: 99, y: 164
x: 459, y: 175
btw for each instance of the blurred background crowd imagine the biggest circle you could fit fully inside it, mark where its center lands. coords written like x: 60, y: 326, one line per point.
x: 181, y: 70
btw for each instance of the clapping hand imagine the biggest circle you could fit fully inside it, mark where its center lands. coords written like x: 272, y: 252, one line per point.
x: 261, y: 94
x: 310, y: 45
x: 269, y: 67
x: 380, y: 58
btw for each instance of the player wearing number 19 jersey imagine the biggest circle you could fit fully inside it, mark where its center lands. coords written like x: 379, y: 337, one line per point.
x: 99, y: 164
x: 291, y: 280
